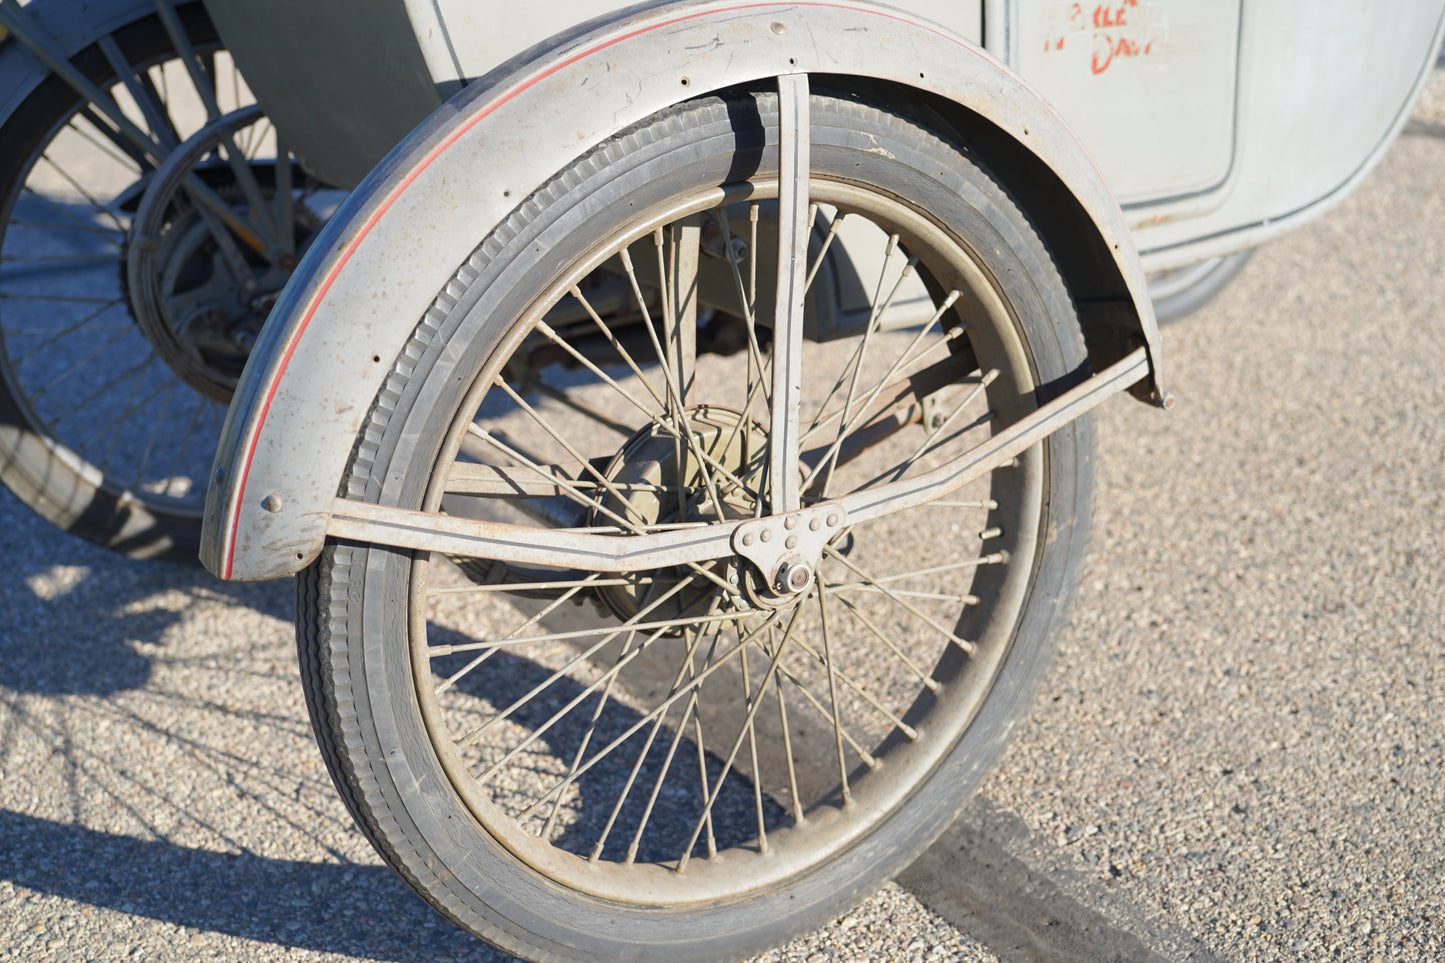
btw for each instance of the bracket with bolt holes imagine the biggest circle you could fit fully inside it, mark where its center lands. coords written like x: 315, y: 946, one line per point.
x: 787, y: 548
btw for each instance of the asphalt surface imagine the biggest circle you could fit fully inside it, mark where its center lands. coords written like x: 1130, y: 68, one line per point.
x: 1238, y: 755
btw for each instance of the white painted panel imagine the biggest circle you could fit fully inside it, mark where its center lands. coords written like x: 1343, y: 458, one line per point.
x: 1148, y: 85
x: 484, y: 34
x: 1323, y: 86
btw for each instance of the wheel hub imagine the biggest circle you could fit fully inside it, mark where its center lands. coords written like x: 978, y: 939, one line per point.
x: 657, y: 479
x: 207, y: 321
x: 786, y: 549
x: 199, y: 289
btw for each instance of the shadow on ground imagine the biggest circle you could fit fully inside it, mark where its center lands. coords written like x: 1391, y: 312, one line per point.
x: 360, y: 911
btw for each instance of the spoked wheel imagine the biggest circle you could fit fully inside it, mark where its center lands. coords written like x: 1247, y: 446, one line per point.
x: 698, y: 760
x: 134, y: 279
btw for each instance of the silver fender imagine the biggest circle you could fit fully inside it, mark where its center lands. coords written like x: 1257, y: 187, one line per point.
x: 378, y: 265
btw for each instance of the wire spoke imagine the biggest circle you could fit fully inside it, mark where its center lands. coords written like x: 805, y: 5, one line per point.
x: 72, y: 369
x: 660, y: 709
x: 581, y: 754
x: 111, y: 430
x: 55, y: 336
x: 905, y: 359
x: 174, y: 472
x: 145, y: 456
x: 111, y: 236
x: 85, y: 193
x: 774, y: 664
x: 637, y: 764
x: 903, y: 603
x: 888, y: 643
x: 634, y: 624
x: 129, y: 150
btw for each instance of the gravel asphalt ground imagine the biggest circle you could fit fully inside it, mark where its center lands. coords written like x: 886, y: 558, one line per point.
x: 1238, y: 755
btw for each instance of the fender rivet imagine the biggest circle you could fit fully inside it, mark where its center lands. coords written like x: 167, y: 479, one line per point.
x: 272, y: 503
x: 779, y: 28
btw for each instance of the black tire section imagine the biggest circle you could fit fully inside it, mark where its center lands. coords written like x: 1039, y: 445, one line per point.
x: 353, y: 622
x: 1180, y: 293
x: 34, y: 464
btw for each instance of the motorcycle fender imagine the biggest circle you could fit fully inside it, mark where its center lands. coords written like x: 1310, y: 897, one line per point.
x: 73, y: 25
x: 380, y: 262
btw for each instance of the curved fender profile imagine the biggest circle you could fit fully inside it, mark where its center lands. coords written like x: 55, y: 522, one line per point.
x: 378, y: 265
x: 72, y: 25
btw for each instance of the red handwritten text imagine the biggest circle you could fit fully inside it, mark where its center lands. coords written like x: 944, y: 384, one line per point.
x: 1115, y: 33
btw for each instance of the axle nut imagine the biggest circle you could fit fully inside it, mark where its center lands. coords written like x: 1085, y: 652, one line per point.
x: 794, y: 577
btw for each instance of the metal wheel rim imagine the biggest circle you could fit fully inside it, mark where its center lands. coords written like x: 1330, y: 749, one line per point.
x: 740, y: 873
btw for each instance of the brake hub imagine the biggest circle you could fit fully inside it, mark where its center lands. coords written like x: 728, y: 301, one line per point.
x: 658, y: 480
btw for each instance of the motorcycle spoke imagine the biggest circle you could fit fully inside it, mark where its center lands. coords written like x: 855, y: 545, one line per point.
x: 143, y: 93
x: 55, y: 336
x: 115, y: 236
x: 109, y: 144
x: 901, y: 602
x: 924, y: 677
x: 774, y: 664
x: 145, y: 455
x: 72, y: 369
x: 84, y: 192
x: 492, y: 649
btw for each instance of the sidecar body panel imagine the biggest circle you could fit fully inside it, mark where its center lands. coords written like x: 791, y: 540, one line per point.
x: 396, y: 242
x: 345, y: 79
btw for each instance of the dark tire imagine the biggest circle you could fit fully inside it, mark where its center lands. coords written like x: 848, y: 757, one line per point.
x: 562, y: 816
x: 1181, y: 292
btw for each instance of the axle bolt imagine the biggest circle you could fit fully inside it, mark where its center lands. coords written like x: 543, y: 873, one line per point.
x: 793, y: 577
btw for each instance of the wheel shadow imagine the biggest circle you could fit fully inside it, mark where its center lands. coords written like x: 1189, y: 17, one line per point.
x: 623, y: 759
x: 126, y: 780
x: 357, y: 911
x: 80, y: 619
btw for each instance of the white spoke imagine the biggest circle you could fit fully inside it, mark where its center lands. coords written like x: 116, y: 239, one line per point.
x: 901, y: 602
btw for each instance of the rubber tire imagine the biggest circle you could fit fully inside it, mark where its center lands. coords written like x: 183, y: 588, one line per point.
x: 1205, y: 281
x: 351, y: 620
x: 29, y: 464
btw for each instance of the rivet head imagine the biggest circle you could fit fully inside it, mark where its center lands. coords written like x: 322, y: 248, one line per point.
x: 220, y: 474
x: 833, y: 520
x: 272, y: 503
x: 767, y: 535
x: 749, y: 538
x: 779, y: 28
x: 790, y: 523
x: 792, y: 541
x: 815, y: 524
